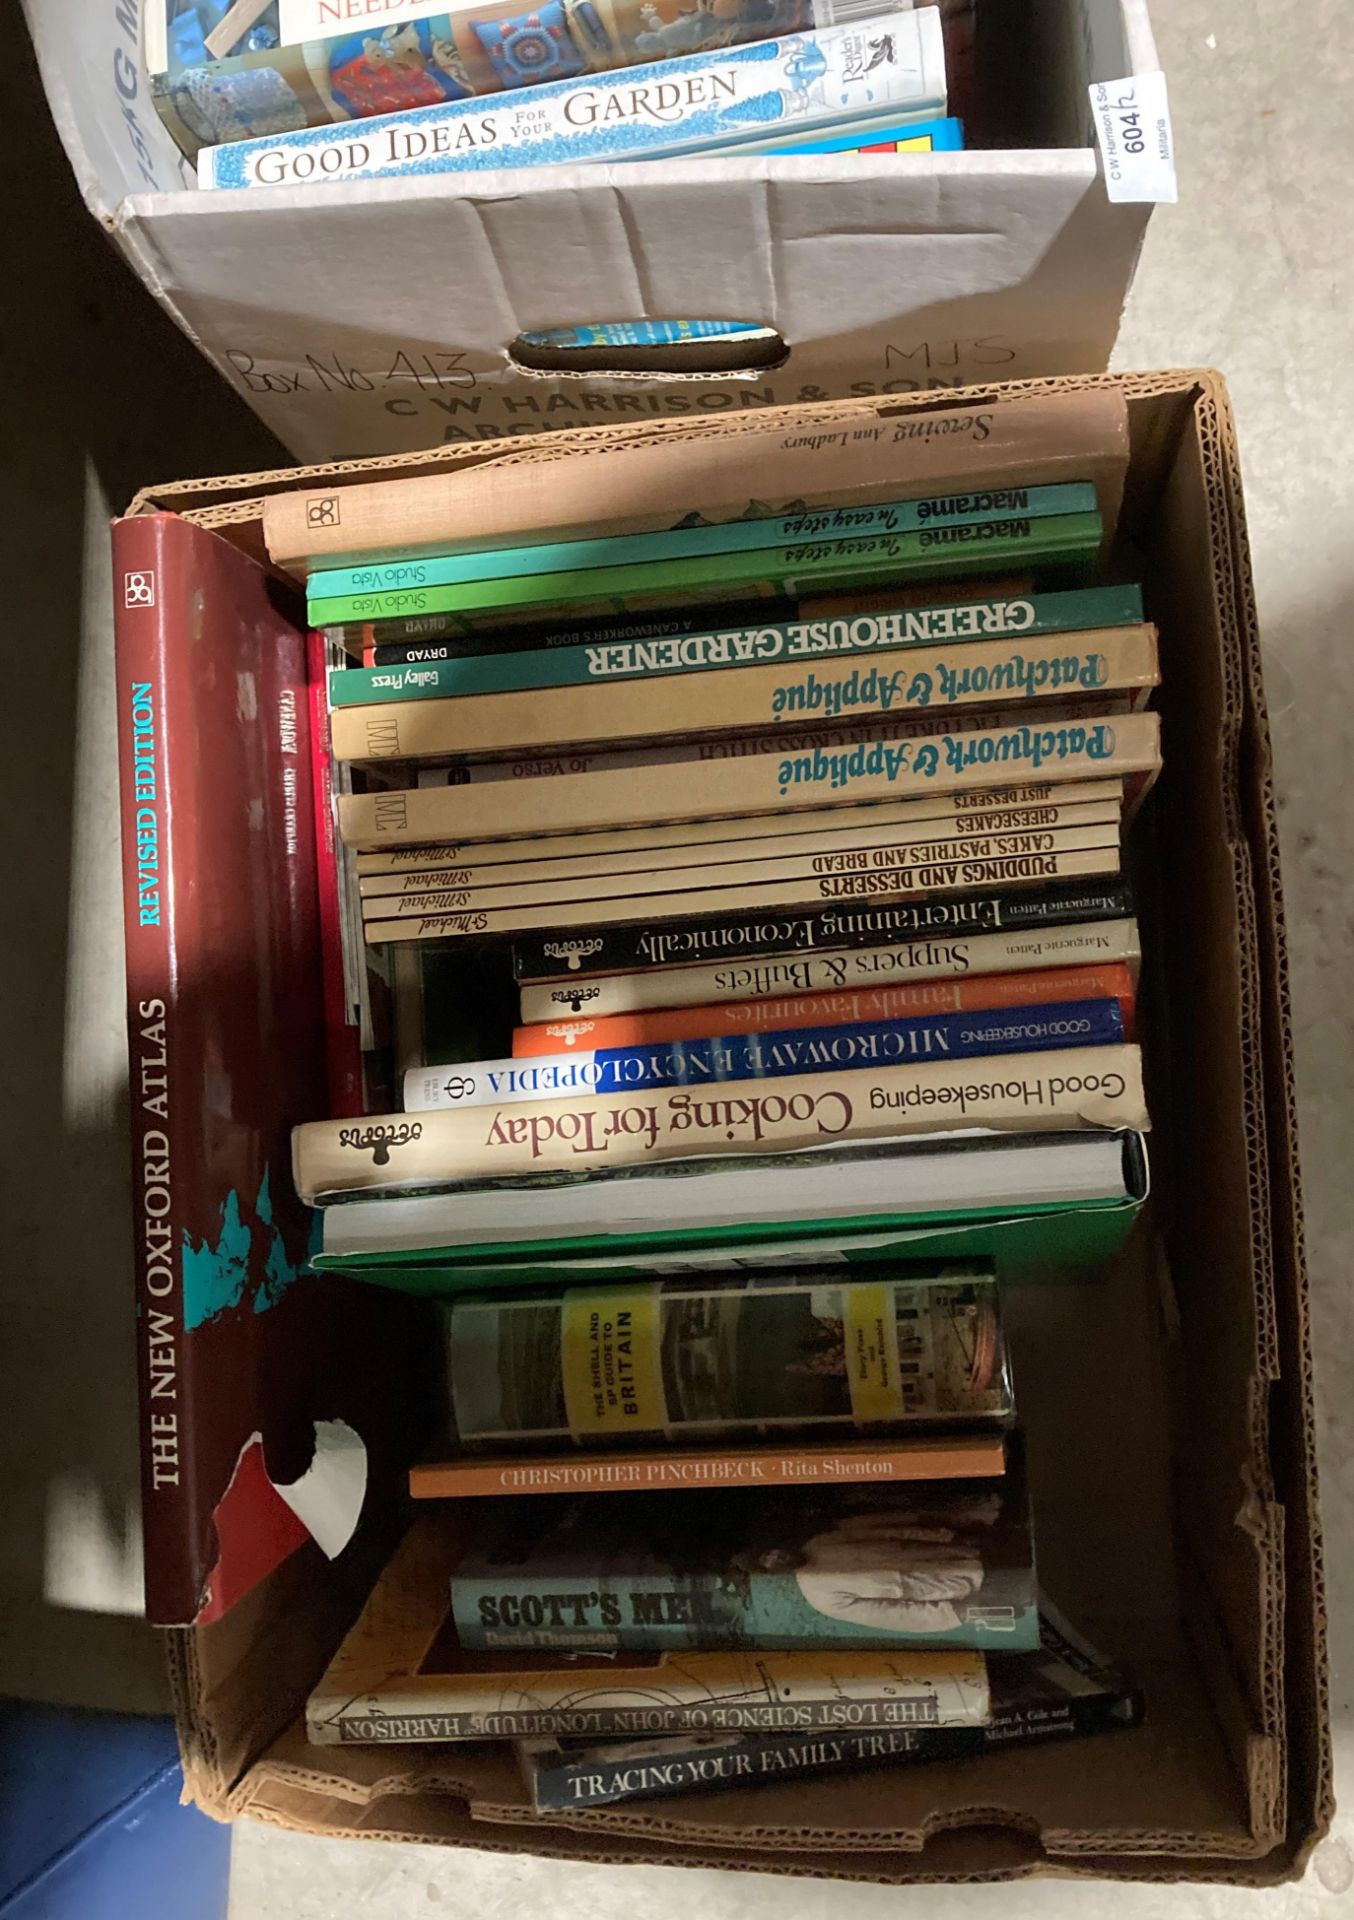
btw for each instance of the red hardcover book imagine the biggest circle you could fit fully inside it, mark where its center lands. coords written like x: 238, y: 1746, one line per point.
x: 243, y: 1351
x: 342, y: 1039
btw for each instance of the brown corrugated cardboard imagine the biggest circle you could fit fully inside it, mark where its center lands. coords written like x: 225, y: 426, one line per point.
x: 1168, y: 1408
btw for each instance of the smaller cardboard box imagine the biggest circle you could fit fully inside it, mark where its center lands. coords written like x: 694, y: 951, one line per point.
x: 374, y: 318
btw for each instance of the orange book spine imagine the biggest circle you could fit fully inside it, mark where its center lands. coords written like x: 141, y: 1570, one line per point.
x: 1036, y: 989
x: 968, y: 1456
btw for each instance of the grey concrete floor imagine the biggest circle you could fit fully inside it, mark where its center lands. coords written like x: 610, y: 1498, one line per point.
x: 1251, y: 273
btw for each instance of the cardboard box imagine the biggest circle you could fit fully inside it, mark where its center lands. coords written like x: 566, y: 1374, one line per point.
x: 1168, y: 1408
x: 369, y: 319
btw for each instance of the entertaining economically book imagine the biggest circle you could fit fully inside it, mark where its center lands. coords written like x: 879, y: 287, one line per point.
x: 700, y: 951
x: 779, y: 1569
x: 837, y: 454
x: 974, y: 673
x: 888, y: 71
x: 744, y: 1354
x: 1085, y: 1087
x: 1065, y: 1690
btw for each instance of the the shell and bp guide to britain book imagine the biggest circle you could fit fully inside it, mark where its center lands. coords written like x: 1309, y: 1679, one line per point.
x: 876, y: 70
x: 801, y: 1353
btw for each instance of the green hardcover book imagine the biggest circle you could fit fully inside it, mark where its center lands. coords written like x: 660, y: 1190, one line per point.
x: 806, y: 566
x: 1039, y: 1207
x: 1039, y: 1245
x: 1080, y: 610
x: 733, y: 536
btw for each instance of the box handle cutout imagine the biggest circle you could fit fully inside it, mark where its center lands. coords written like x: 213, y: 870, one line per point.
x: 650, y: 349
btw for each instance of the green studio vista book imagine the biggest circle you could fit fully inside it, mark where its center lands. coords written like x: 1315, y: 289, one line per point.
x: 948, y: 1564
x: 698, y: 538
x: 799, y: 567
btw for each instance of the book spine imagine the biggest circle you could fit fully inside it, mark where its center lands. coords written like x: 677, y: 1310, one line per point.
x: 752, y: 1610
x: 707, y: 100
x: 869, y: 869
x: 159, y: 1074
x: 1078, y: 1023
x: 1048, y: 987
x: 667, y: 841
x: 795, y: 737
x: 935, y: 136
x: 427, y: 644
x: 469, y: 921
x: 972, y: 674
x: 204, y: 1148
x: 816, y: 455
x: 760, y: 642
x: 1084, y: 1087
x: 702, y: 749
x: 739, y: 938
x: 559, y: 1782
x: 343, y: 1047
x: 684, y: 1468
x: 882, y: 827
x: 667, y: 1713
x: 960, y: 760
x: 951, y: 951
x: 804, y: 1354
x: 800, y: 567
x: 720, y: 538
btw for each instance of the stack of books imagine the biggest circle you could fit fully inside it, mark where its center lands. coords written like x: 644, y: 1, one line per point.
x: 735, y: 1531
x: 260, y: 100
x: 749, y: 879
